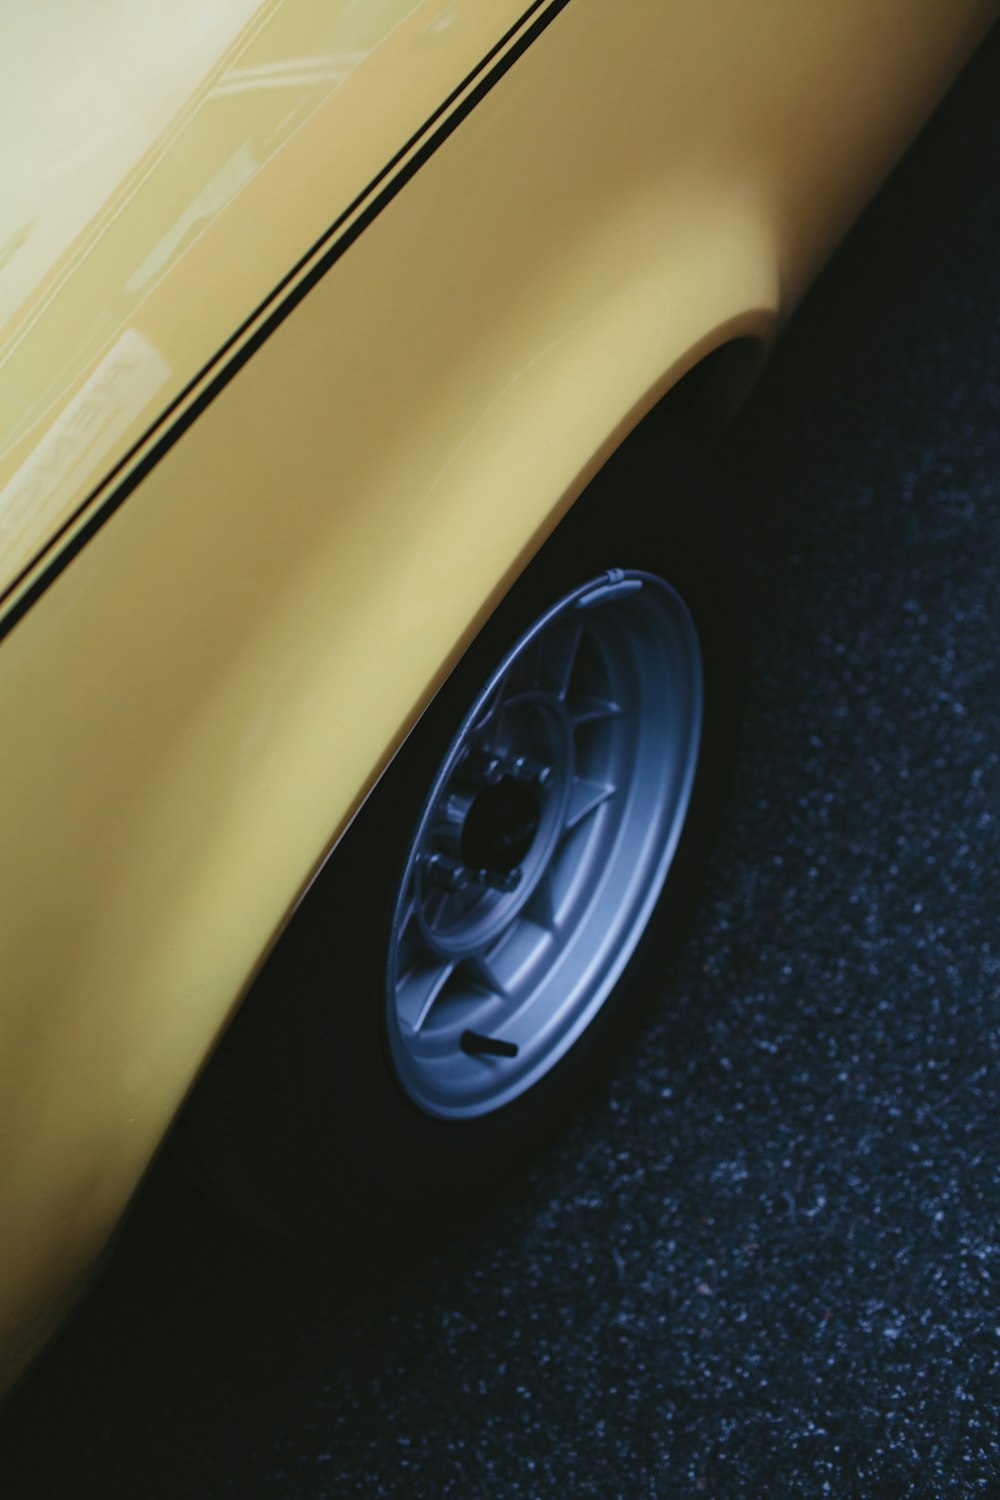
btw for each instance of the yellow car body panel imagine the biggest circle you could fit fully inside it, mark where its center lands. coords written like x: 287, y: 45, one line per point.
x: 174, y: 161
x: 201, y: 683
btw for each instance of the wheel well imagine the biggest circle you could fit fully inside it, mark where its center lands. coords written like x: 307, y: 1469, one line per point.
x: 710, y: 394
x: 701, y: 402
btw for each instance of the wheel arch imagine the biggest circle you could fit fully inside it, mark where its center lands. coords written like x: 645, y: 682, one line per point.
x: 699, y: 394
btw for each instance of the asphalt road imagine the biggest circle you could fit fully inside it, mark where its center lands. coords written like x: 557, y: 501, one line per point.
x: 765, y: 1260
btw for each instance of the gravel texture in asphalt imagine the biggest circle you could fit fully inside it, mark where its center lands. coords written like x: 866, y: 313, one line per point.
x: 765, y: 1259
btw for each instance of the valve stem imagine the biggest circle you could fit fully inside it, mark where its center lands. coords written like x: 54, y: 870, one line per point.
x: 476, y: 1044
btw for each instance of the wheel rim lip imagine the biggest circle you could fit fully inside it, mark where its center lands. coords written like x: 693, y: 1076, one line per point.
x: 653, y: 622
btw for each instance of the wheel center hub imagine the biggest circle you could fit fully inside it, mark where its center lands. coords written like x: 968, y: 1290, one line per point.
x: 500, y: 826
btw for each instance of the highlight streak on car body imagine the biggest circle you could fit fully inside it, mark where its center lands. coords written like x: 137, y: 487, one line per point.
x: 214, y: 145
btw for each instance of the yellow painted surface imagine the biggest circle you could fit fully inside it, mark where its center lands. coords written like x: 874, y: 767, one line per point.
x: 194, y: 708
x: 163, y: 167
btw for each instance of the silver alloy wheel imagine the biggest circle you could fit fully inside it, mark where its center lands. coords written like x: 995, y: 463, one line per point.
x: 544, y: 844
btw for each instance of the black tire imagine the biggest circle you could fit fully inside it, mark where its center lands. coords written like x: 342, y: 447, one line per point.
x: 300, y: 1121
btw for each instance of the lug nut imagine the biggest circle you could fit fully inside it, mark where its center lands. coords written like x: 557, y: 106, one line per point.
x: 482, y: 767
x: 494, y: 880
x: 447, y: 874
x: 530, y: 772
x: 487, y: 769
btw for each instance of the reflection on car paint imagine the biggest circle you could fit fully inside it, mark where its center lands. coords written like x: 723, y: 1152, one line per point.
x: 113, y: 201
x: 120, y: 385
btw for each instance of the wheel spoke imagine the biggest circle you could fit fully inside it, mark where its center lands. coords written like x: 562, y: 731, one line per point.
x: 585, y: 709
x: 483, y: 971
x: 419, y: 989
x: 586, y: 797
x: 408, y: 912
x: 485, y: 726
x: 557, y: 656
x: 434, y: 902
x: 409, y: 940
x: 541, y: 908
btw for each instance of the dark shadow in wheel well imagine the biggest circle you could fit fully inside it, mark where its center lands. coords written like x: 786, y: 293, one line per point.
x: 705, y: 400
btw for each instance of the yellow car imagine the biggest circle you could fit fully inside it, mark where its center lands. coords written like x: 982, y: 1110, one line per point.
x: 316, y: 321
